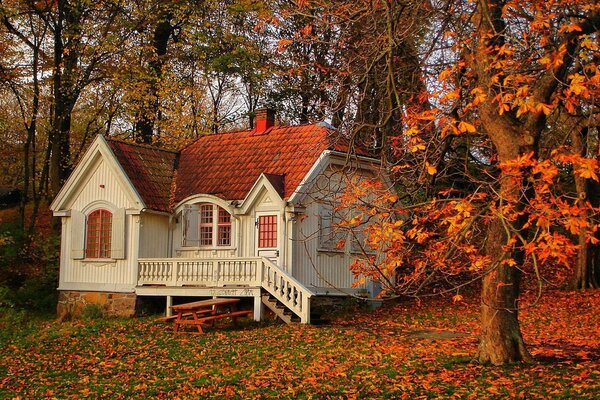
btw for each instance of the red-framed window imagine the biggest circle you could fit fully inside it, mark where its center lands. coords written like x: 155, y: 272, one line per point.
x: 98, y: 234
x: 267, y: 231
x: 207, y: 225
x: 223, y: 228
x: 205, y: 228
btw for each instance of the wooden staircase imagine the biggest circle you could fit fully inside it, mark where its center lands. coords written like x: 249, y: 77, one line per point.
x: 285, y: 296
x: 281, y: 311
x: 285, y: 314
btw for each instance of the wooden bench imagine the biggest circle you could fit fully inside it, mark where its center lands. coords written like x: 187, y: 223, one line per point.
x: 201, y: 312
x: 233, y: 315
x: 172, y: 318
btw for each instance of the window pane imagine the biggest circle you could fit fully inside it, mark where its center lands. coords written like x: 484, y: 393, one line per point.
x: 98, y: 234
x: 206, y: 235
x: 224, y: 217
x: 224, y: 228
x: 224, y: 235
x: 267, y: 231
x: 206, y: 214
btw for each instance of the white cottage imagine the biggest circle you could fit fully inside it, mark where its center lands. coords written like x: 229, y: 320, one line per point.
x: 241, y: 214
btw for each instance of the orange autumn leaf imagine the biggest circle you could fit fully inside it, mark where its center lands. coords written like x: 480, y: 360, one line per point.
x: 466, y: 127
x: 431, y: 169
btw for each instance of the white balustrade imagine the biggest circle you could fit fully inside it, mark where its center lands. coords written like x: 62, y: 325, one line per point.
x: 286, y: 289
x: 197, y: 272
x: 251, y: 271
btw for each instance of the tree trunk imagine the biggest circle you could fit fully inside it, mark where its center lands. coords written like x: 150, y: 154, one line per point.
x: 586, y: 266
x: 60, y: 158
x: 146, y: 119
x: 501, y: 341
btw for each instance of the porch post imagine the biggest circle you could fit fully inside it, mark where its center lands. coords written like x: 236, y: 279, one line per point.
x: 169, y: 304
x: 258, y: 307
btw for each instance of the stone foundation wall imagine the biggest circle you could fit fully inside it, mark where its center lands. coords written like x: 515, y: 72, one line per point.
x: 70, y: 303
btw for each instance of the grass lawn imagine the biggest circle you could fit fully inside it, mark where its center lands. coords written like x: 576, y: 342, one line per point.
x: 408, y: 350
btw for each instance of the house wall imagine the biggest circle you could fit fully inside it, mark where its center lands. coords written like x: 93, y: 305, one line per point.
x: 323, y: 269
x: 315, y: 267
x: 154, y: 236
x: 102, y: 187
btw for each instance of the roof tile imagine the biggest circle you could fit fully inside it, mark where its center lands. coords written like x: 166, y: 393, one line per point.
x: 149, y: 169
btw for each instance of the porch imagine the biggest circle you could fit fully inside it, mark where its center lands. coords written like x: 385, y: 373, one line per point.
x: 234, y: 277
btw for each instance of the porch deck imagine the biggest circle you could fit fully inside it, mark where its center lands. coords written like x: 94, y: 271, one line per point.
x: 247, y: 277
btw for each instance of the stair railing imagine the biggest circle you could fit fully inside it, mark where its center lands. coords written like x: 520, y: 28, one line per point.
x: 285, y: 288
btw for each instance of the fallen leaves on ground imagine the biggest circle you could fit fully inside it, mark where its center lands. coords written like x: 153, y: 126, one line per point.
x: 408, y: 350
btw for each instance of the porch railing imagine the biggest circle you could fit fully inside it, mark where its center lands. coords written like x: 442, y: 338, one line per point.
x: 250, y: 271
x: 199, y: 272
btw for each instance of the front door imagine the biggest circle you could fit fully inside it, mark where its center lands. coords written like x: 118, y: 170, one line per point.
x: 267, y: 238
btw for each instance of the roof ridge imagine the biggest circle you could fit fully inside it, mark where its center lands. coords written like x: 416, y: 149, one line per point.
x: 141, y: 145
x: 315, y: 124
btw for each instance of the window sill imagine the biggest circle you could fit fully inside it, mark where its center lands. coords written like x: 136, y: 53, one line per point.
x: 334, y: 251
x: 99, y: 262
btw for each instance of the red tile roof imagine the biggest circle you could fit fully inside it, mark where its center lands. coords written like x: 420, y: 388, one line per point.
x: 150, y: 170
x: 227, y: 164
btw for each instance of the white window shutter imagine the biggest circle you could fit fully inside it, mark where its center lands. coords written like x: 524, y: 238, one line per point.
x: 77, y: 235
x: 190, y: 225
x: 117, y: 244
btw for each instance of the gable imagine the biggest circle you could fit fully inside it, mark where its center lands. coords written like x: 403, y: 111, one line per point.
x: 97, y: 177
x: 101, y: 184
x: 332, y: 172
x: 263, y: 195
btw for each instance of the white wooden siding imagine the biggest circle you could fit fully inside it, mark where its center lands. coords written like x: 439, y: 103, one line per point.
x: 316, y: 268
x: 99, y: 275
x: 100, y: 185
x: 312, y: 265
x: 154, y: 236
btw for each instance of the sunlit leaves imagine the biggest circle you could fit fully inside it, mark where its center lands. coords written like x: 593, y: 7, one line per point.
x: 444, y: 236
x: 464, y: 126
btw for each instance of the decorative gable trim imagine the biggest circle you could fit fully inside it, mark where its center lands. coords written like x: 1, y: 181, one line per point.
x: 317, y: 168
x: 204, y: 198
x: 262, y: 183
x: 98, y: 149
x: 332, y: 157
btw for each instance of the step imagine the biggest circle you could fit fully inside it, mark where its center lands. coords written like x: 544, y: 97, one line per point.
x: 278, y: 311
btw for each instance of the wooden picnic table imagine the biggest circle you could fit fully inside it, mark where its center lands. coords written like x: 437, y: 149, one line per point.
x: 200, y: 312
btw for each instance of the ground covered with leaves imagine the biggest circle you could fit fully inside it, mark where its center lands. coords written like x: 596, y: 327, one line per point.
x: 405, y: 350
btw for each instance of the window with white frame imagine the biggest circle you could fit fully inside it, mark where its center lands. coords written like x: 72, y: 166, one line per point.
x: 98, y: 233
x: 206, y: 225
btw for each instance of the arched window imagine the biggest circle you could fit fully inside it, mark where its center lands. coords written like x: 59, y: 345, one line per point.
x: 98, y: 234
x: 206, y: 225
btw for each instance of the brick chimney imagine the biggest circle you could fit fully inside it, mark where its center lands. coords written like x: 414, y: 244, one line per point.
x: 264, y: 119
